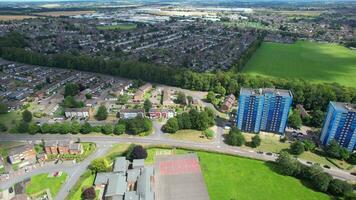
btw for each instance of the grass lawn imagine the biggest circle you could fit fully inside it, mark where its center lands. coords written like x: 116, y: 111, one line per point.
x: 123, y: 26
x: 230, y: 177
x: 189, y: 135
x: 42, y: 182
x: 307, y: 155
x: 269, y: 142
x: 87, y: 182
x: 312, y: 61
x: 9, y: 119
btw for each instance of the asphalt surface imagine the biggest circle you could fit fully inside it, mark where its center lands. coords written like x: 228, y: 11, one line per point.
x: 216, y: 146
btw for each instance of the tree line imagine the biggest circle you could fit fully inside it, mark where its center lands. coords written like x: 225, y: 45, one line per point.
x: 314, y: 97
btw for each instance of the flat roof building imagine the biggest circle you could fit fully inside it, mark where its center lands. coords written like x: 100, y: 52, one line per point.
x: 340, y: 125
x: 263, y: 109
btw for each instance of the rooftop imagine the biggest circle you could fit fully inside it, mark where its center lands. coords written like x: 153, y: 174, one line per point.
x: 346, y: 107
x: 264, y: 91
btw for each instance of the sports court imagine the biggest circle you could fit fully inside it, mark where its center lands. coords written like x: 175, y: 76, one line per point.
x: 179, y: 177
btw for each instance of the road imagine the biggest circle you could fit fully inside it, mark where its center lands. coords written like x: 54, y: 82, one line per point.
x: 102, y: 140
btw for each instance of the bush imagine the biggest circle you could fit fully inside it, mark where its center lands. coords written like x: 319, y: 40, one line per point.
x: 256, y: 141
x: 171, y: 126
x: 235, y: 138
x: 138, y: 152
x: 287, y: 165
x: 297, y: 148
x: 102, y: 113
x: 138, y: 125
x: 321, y: 181
x: 334, y: 150
x: 3, y: 128
x: 86, y: 128
x: 22, y: 127
x: 208, y: 133
x: 119, y: 129
x: 107, y: 129
x: 339, y: 188
x: 89, y: 193
x: 99, y: 165
x: 26, y: 116
x: 309, y: 145
x: 3, y: 108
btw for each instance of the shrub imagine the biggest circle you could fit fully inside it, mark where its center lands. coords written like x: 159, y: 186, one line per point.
x: 235, y: 138
x: 138, y: 152
x: 287, y: 165
x: 339, y: 188
x: 102, y: 113
x: 256, y: 141
x: 171, y: 126
x: 208, y: 133
x: 26, y: 116
x: 297, y: 148
x: 107, y: 129
x: 119, y: 129
x: 89, y: 193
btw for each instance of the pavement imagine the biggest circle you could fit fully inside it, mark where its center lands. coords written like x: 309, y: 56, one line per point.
x: 104, y: 141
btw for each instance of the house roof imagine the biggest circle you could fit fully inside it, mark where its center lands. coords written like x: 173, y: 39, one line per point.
x: 51, y: 143
x: 20, y: 149
x: 144, y: 188
x: 76, y: 110
x: 138, y: 163
x: 102, y: 178
x: 120, y: 164
x: 116, y: 185
x: 132, y: 111
x: 75, y: 146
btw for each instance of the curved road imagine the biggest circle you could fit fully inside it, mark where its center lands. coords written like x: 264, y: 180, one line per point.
x: 103, y: 142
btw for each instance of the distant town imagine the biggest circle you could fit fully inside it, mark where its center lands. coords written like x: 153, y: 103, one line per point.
x: 177, y: 100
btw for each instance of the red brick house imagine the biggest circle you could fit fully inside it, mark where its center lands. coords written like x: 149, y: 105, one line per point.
x: 161, y: 113
x: 228, y: 103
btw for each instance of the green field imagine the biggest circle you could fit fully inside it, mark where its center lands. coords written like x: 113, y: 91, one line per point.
x: 316, y: 62
x: 124, y: 26
x: 231, y: 177
x: 41, y: 182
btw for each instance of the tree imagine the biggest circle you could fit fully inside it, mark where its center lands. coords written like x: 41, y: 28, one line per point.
x: 339, y: 188
x: 88, y: 96
x: 138, y: 152
x: 107, y: 129
x: 119, y: 129
x: 89, y: 193
x: 22, y: 127
x: 3, y: 128
x: 171, y: 126
x: 287, y: 165
x: 75, y: 127
x: 64, y: 128
x: 321, y: 181
x: 235, y: 138
x: 202, y: 121
x: 70, y: 102
x: 334, y: 150
x: 184, y: 121
x: 26, y: 116
x: 181, y: 99
x: 297, y: 148
x: 33, y: 128
x: 352, y: 159
x: 210, y: 97
x: 317, y: 118
x: 102, y: 113
x: 123, y: 99
x: 3, y: 108
x: 309, y: 145
x: 256, y: 141
x: 294, y: 120
x: 86, y: 128
x: 99, y: 165
x: 147, y: 105
x: 71, y: 89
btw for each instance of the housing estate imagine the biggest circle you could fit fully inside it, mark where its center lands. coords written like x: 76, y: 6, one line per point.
x: 76, y: 112
x: 228, y: 103
x: 131, y: 113
x: 161, y: 113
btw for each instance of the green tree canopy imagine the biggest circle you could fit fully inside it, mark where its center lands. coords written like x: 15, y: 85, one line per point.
x: 102, y: 113
x: 27, y: 116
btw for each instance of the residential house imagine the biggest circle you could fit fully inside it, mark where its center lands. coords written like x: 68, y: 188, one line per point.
x: 63, y: 147
x: 22, y: 155
x: 166, y: 99
x: 140, y: 93
x: 228, y: 103
x: 161, y: 113
x: 131, y: 113
x: 76, y: 112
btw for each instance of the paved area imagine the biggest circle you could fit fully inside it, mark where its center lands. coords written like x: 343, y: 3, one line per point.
x: 179, y: 177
